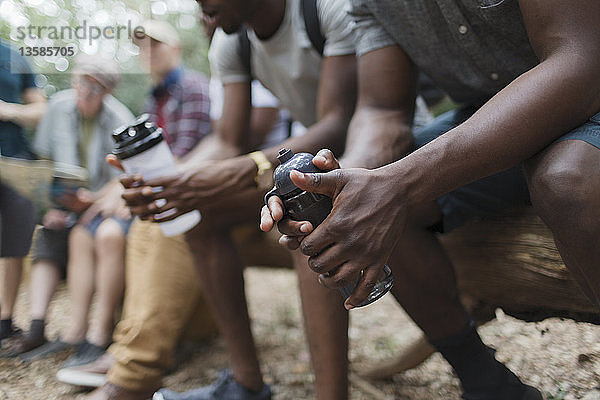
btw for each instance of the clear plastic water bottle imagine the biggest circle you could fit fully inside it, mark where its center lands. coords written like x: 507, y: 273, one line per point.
x: 141, y: 148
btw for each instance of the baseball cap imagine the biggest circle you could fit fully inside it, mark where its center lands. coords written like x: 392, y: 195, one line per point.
x: 103, y: 70
x: 161, y: 31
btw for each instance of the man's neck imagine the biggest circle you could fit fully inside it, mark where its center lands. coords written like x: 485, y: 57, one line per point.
x: 268, y: 18
x: 158, y: 79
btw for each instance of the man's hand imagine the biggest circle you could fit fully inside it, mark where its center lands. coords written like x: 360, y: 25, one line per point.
x: 7, y: 111
x: 108, y: 203
x: 166, y: 198
x: 55, y: 219
x: 294, y: 231
x: 360, y: 232
x: 77, y: 202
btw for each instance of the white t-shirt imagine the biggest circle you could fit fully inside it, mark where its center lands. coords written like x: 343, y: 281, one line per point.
x: 261, y: 98
x: 287, y: 64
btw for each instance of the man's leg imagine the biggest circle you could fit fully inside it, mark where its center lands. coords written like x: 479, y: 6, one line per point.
x: 12, y: 269
x: 425, y: 282
x: 425, y: 286
x: 80, y: 283
x: 221, y: 276
x: 109, y: 244
x: 45, y: 275
x: 49, y: 255
x: 17, y: 215
x: 146, y: 337
x: 326, y: 325
x: 564, y: 182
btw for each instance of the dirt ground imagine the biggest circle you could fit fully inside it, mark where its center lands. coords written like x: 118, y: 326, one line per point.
x: 559, y: 356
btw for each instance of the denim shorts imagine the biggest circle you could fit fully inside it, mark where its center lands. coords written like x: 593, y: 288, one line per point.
x: 494, y: 193
x: 93, y: 225
x: 17, y: 222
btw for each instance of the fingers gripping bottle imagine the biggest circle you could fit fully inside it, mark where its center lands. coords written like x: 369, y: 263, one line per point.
x: 300, y: 205
x: 141, y: 148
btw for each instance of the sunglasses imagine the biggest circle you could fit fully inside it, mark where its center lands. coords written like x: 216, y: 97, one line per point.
x: 93, y: 88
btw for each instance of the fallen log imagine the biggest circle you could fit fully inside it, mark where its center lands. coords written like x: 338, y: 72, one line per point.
x: 507, y: 261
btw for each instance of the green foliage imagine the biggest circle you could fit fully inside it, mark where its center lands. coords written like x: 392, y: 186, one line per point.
x: 48, y: 23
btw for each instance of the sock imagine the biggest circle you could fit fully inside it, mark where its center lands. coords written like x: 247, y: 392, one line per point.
x: 5, y: 328
x: 36, y: 328
x: 480, y: 374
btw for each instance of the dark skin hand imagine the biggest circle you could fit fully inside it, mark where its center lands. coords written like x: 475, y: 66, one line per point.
x: 338, y: 255
x: 192, y: 189
x: 371, y: 208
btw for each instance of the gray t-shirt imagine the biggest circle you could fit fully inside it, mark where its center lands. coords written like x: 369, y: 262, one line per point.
x: 287, y: 64
x: 470, y: 48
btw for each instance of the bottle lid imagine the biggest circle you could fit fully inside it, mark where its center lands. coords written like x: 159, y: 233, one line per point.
x: 290, y: 161
x: 135, y: 138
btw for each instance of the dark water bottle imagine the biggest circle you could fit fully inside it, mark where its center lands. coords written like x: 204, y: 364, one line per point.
x: 301, y: 205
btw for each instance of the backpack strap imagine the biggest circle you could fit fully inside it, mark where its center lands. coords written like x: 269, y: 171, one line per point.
x: 313, y: 30
x: 313, y: 26
x: 245, y: 49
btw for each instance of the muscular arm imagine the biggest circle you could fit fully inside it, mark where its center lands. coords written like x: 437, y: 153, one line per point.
x: 27, y: 114
x: 230, y: 133
x: 335, y: 105
x: 549, y: 100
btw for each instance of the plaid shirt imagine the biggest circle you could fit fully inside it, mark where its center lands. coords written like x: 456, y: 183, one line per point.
x: 184, y: 101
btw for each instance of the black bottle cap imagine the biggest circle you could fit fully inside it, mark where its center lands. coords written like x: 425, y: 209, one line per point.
x: 285, y: 155
x: 136, y: 137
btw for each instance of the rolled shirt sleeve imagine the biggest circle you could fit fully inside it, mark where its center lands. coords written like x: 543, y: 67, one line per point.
x: 368, y: 32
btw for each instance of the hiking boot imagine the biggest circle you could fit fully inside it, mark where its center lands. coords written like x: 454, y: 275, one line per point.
x: 110, y: 391
x: 225, y: 388
x: 85, y: 353
x: 23, y: 344
x: 89, y: 375
x: 511, y: 389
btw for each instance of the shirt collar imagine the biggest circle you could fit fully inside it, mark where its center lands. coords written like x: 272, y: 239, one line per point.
x: 168, y: 82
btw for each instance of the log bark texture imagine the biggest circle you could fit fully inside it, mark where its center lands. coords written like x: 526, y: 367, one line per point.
x: 510, y: 261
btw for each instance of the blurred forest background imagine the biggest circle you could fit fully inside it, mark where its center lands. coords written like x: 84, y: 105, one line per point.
x: 37, y: 20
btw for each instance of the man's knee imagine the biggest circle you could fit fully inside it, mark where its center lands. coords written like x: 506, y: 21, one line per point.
x: 564, y: 188
x: 109, y: 233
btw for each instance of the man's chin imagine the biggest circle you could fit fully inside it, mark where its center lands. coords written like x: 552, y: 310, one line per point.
x: 230, y: 29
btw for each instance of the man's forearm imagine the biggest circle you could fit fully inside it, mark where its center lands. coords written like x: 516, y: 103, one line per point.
x: 209, y: 148
x: 514, y: 125
x: 376, y: 137
x: 25, y: 115
x: 329, y: 133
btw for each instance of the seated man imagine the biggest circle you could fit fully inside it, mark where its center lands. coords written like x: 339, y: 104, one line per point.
x: 526, y: 74
x: 87, y: 234
x: 319, y: 92
x: 22, y: 104
x: 318, y: 89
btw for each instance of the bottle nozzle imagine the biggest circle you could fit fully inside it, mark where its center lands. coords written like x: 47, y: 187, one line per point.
x: 285, y: 155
